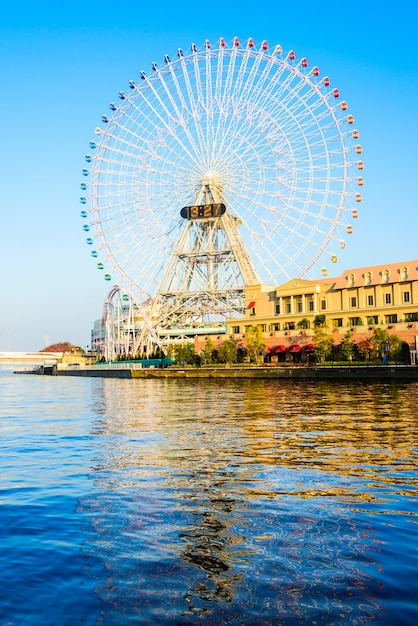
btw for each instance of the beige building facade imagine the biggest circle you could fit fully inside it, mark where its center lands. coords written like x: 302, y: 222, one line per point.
x: 360, y: 299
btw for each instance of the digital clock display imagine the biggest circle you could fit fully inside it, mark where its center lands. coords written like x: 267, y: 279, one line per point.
x: 202, y: 211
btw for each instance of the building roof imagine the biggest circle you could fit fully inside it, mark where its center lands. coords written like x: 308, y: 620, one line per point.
x: 376, y: 273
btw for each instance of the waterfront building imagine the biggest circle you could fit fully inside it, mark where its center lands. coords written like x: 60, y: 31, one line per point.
x: 360, y: 299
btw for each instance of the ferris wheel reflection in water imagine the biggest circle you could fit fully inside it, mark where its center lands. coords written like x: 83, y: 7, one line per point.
x: 245, y: 510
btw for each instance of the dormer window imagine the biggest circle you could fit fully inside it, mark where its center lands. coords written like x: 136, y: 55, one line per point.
x: 368, y: 278
x: 351, y: 278
x: 385, y: 276
x: 404, y: 273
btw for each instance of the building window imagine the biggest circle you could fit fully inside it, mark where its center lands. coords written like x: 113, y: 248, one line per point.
x: 411, y: 317
x: 300, y: 309
x: 289, y: 326
x: 288, y: 307
x: 275, y: 327
x: 404, y: 273
x: 391, y: 319
x: 323, y: 304
x: 235, y: 330
x: 252, y: 310
x: 370, y: 300
x: 405, y: 296
x: 351, y: 278
x: 353, y: 301
x: 385, y: 276
x: 264, y: 328
x: 277, y: 309
x: 311, y: 305
x: 388, y: 298
x: 368, y: 278
x: 354, y: 321
x: 338, y: 322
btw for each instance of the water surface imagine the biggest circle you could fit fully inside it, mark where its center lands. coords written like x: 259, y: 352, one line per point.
x: 207, y: 502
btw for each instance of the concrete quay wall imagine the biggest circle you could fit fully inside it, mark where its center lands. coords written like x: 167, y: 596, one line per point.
x: 396, y: 373
x: 388, y: 373
x: 99, y: 373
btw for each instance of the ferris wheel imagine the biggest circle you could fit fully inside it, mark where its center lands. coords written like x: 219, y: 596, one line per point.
x: 225, y: 166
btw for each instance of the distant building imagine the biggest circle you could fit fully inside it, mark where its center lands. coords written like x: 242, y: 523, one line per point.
x: 98, y: 336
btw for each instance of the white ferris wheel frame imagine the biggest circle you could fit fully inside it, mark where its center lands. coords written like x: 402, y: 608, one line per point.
x: 269, y: 135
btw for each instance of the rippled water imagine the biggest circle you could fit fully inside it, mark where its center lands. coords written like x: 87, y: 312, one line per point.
x: 207, y: 502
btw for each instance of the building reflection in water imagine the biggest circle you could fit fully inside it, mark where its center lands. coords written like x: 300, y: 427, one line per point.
x: 246, y: 501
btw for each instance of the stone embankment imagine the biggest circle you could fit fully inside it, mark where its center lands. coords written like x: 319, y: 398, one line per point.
x: 384, y: 373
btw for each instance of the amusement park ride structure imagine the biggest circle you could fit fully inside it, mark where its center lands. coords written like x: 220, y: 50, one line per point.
x: 229, y: 166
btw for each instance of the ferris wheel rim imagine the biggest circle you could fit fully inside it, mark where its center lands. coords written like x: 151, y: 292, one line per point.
x: 294, y: 222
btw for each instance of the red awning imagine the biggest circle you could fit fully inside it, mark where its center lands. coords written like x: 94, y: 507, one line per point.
x: 250, y: 306
x: 295, y: 348
x: 309, y: 347
x: 267, y: 350
x: 279, y: 349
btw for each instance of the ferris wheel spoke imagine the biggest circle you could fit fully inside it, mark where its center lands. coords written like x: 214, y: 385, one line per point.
x: 165, y: 126
x: 179, y: 118
x: 235, y: 98
x: 182, y: 101
x: 193, y: 106
x: 148, y: 150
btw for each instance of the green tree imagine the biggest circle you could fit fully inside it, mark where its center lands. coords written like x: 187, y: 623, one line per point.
x: 227, y: 352
x: 324, y: 343
x: 319, y: 321
x: 347, y: 347
x: 185, y: 353
x: 208, y: 351
x: 384, y: 344
x: 255, y: 342
x: 304, y: 323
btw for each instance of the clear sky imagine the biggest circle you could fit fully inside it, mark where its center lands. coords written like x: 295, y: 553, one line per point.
x: 62, y: 63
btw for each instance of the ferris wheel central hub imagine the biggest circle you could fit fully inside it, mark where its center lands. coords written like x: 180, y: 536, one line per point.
x: 212, y: 181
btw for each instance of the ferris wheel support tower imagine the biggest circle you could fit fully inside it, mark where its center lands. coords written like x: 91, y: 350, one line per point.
x: 209, y: 266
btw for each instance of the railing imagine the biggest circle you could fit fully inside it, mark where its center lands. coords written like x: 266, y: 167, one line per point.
x: 105, y: 366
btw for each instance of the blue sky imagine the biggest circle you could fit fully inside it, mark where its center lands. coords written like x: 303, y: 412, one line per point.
x: 60, y: 66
